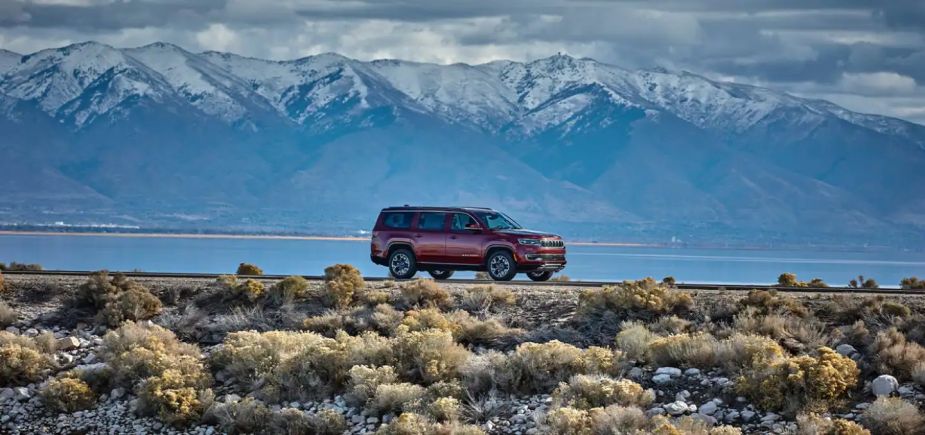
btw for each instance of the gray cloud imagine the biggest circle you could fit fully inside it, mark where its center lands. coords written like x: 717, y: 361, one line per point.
x: 866, y: 54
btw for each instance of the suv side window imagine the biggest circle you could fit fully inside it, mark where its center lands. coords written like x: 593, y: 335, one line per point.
x: 397, y: 220
x: 461, y: 221
x: 430, y: 221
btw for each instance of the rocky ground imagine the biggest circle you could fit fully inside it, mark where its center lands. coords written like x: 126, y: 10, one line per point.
x: 44, y: 303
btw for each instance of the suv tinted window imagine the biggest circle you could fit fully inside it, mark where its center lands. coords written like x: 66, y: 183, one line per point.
x: 429, y: 221
x: 461, y: 220
x: 397, y: 219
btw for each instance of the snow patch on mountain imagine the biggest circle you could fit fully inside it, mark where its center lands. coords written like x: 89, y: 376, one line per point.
x: 8, y: 59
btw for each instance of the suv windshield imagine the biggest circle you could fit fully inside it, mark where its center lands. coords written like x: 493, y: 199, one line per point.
x: 497, y: 221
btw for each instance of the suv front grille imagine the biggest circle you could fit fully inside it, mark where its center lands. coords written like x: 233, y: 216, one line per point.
x: 552, y: 243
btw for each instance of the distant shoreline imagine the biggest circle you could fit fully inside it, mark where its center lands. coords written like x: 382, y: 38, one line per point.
x: 256, y: 237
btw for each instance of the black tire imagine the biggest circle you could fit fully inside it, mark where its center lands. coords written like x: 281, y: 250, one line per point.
x: 540, y: 275
x: 501, y: 266
x: 440, y: 274
x: 402, y: 264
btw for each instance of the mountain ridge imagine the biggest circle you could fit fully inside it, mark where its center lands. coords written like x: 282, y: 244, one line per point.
x: 652, y: 153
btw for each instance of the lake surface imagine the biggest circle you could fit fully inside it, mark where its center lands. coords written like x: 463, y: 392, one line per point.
x: 586, y: 262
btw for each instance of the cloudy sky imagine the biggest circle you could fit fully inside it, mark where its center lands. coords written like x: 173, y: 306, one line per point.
x: 866, y: 55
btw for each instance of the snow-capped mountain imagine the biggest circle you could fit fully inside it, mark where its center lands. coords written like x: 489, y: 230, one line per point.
x: 604, y: 150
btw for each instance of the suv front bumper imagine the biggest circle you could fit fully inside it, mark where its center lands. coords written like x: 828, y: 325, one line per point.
x: 540, y: 259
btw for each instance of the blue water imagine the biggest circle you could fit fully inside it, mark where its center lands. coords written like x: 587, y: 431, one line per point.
x: 310, y: 257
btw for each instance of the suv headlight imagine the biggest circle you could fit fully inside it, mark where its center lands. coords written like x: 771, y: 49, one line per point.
x: 534, y: 242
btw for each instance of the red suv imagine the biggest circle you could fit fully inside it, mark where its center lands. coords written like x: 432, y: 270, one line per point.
x: 442, y: 240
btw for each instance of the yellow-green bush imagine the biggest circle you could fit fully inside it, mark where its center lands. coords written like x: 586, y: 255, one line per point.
x: 744, y: 350
x: 430, y: 355
x: 813, y: 424
x: 397, y: 398
x: 133, y: 304
x: 137, y: 351
x: 289, y: 289
x: 634, y: 339
x: 428, y: 318
x: 800, y: 383
x: 67, y: 395
x: 373, y: 297
x: 616, y: 419
x: 444, y: 409
x: 250, y: 290
x: 893, y: 416
x: 363, y: 380
x: 341, y: 281
x: 409, y: 423
x: 248, y: 269
x: 175, y: 396
x: 291, y: 421
x: 540, y: 367
x: 244, y: 416
x: 766, y: 302
x: 424, y: 292
x: 596, y: 391
x: 22, y: 360
x: 634, y: 299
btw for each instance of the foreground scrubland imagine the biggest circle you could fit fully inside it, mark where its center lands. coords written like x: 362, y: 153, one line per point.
x: 107, y: 353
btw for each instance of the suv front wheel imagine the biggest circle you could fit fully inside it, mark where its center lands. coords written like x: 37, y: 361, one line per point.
x: 501, y: 266
x: 402, y: 264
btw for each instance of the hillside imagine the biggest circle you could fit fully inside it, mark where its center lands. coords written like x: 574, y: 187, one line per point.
x: 159, y: 137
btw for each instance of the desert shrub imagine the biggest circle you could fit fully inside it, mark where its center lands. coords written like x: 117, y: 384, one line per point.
x: 362, y: 382
x: 632, y: 299
x: 248, y: 269
x: 67, y: 395
x: 250, y: 290
x: 813, y: 424
x: 383, y: 318
x: 669, y: 325
x: 616, y: 419
x: 770, y: 301
x: 861, y: 282
x: 800, y: 383
x: 8, y: 315
x: 21, y: 360
x: 484, y: 298
x: 2, y: 286
x: 690, y: 350
x: 790, y: 280
x: 744, y: 350
x: 912, y: 283
x: 444, y: 409
x: 373, y: 297
x: 428, y: 318
x: 669, y: 280
x: 796, y: 333
x: 409, y: 423
x: 634, y: 339
x: 397, y: 398
x: 424, y: 292
x: 297, y: 365
x: 874, y: 309
x: 175, y: 396
x: 46, y: 342
x: 133, y: 304
x: 471, y: 330
x: 482, y: 276
x: 244, y: 416
x: 289, y: 289
x: 893, y: 416
x: 341, y: 281
x: 540, y: 367
x: 595, y: 391
x: 291, y: 421
x: 137, y: 351
x: 894, y: 354
x: 431, y: 355
x: 99, y: 288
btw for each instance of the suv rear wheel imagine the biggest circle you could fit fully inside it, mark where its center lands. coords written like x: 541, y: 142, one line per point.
x: 540, y: 275
x: 402, y: 264
x: 440, y: 274
x: 501, y: 266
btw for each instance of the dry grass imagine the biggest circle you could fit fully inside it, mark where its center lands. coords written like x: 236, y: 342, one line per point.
x: 767, y: 302
x: 396, y: 398
x: 363, y: 381
x: 893, y: 416
x: 8, y: 315
x: 118, y: 299
x: 894, y: 354
x: 482, y: 299
x: 410, y: 423
x: 429, y: 356
x: 616, y: 419
x: 643, y: 299
x: 634, y: 339
x: 813, y: 424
